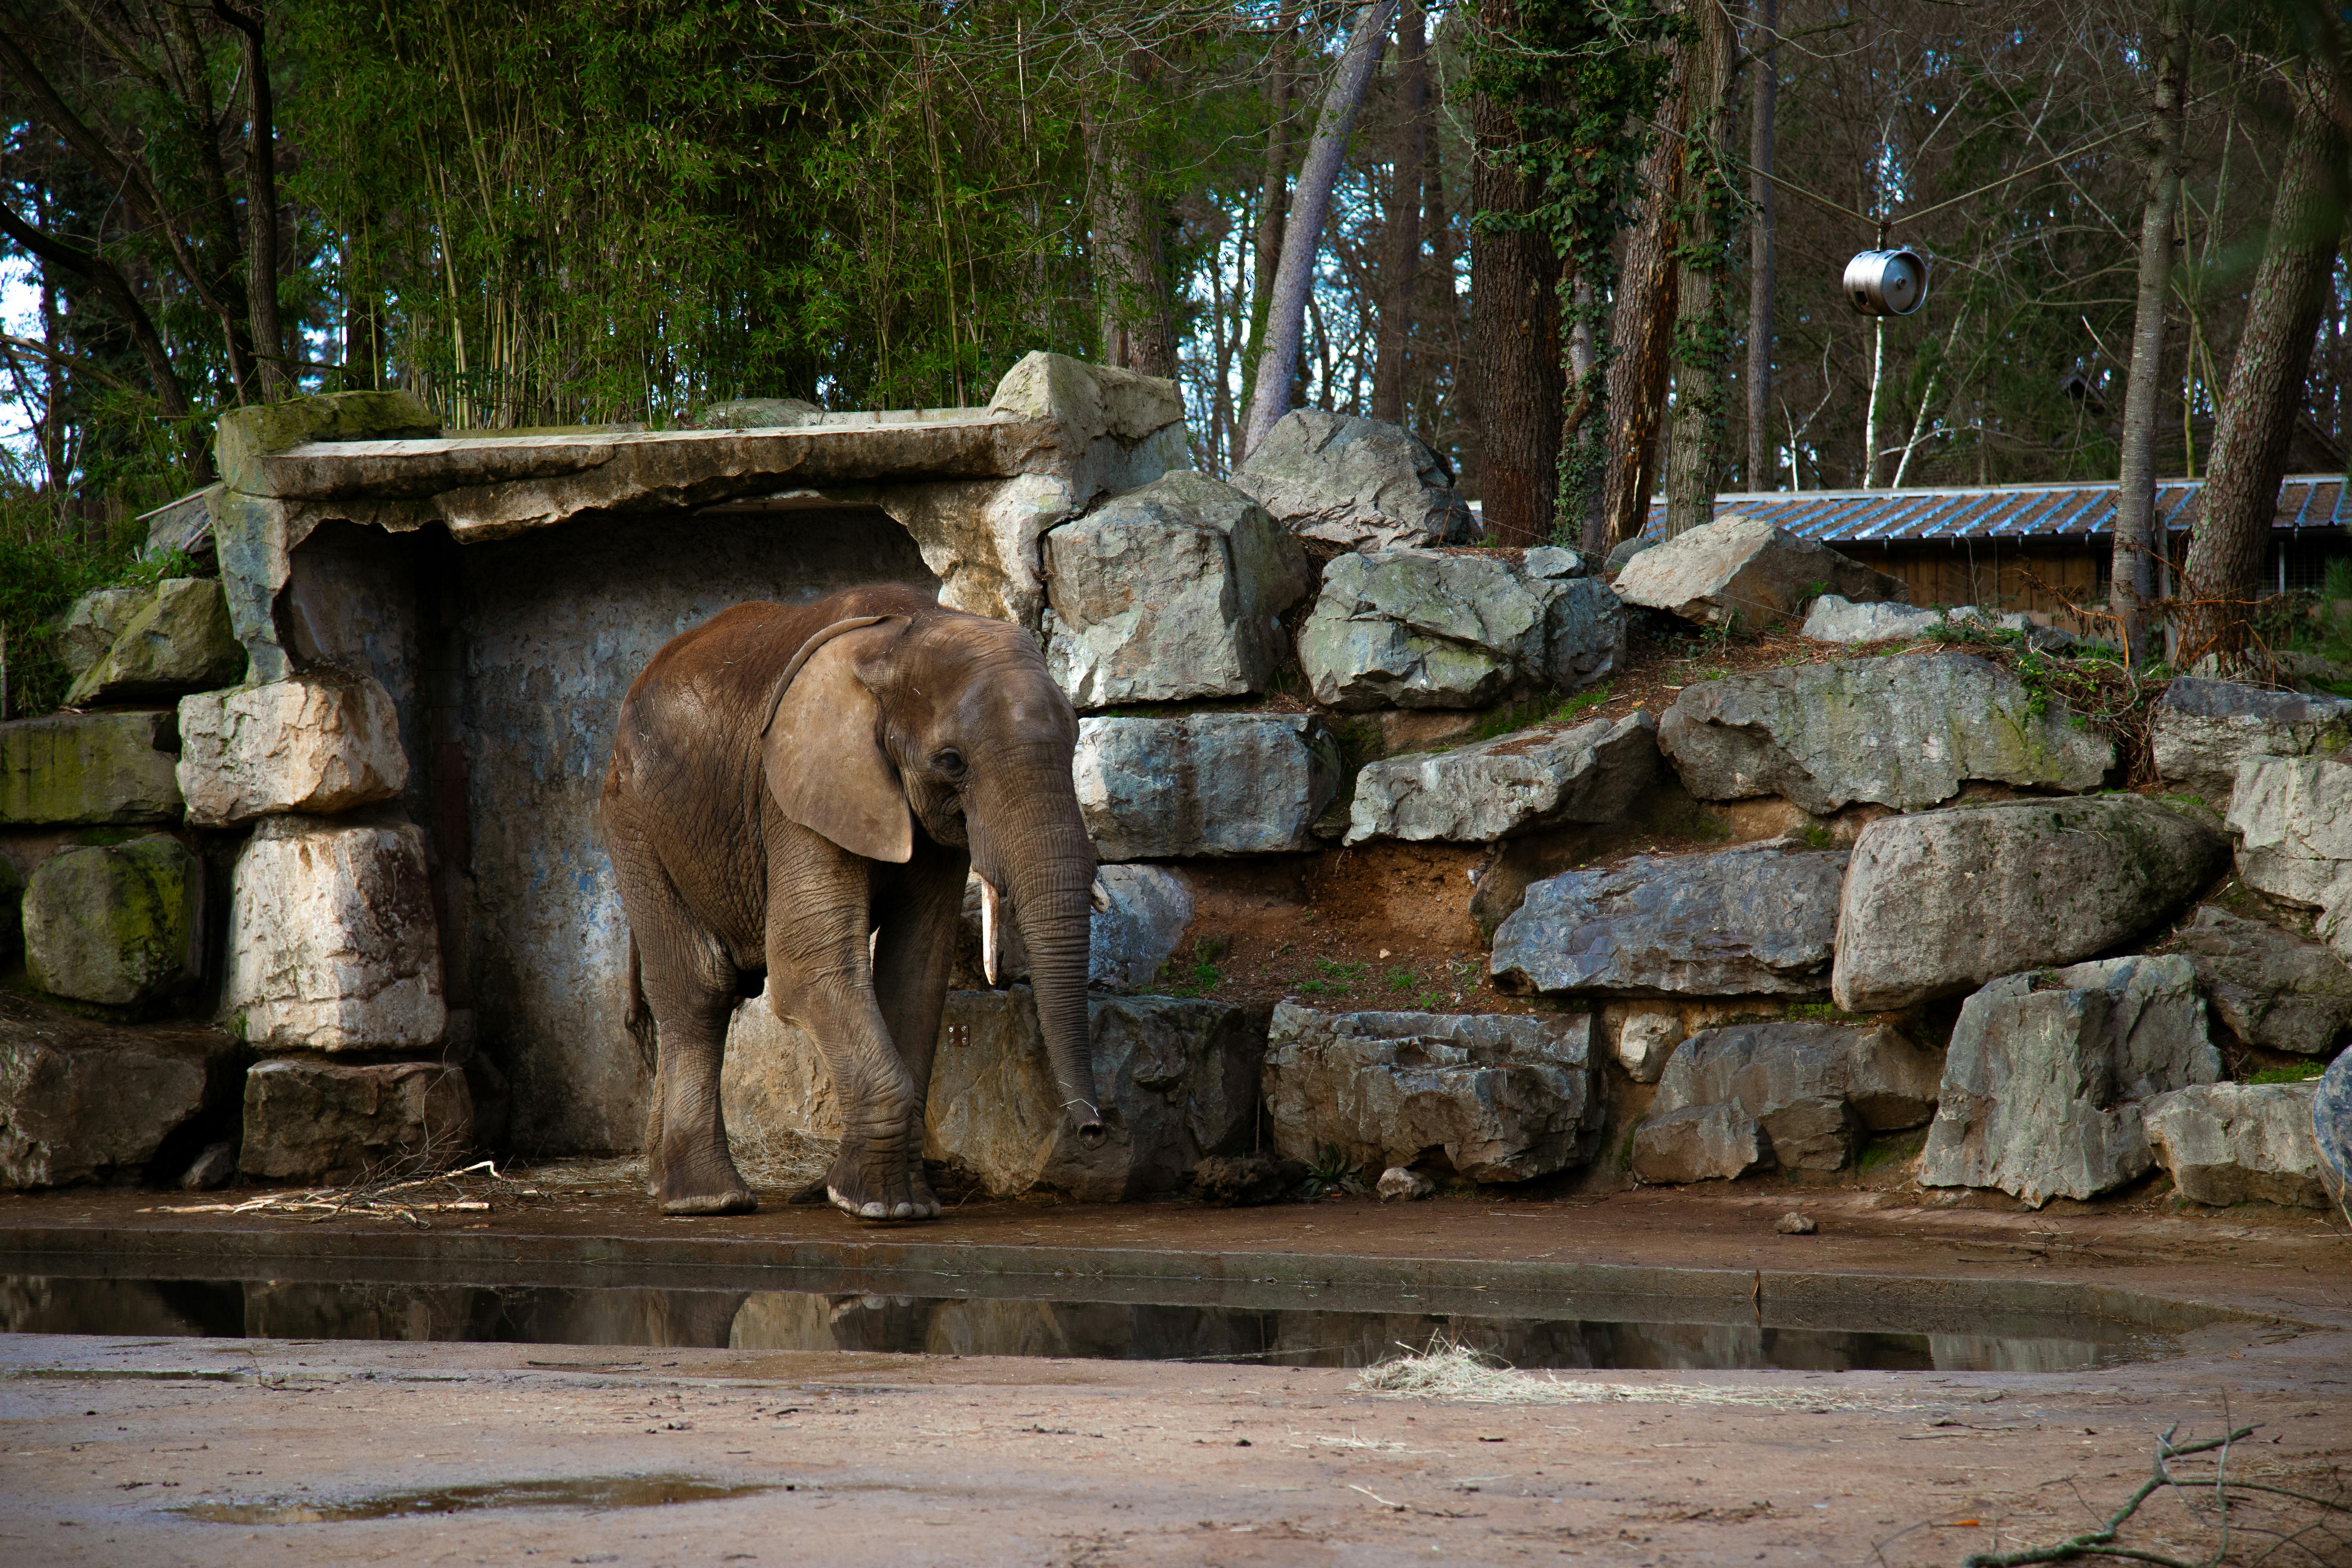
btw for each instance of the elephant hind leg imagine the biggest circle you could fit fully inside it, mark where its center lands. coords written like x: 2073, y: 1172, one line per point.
x: 690, y: 986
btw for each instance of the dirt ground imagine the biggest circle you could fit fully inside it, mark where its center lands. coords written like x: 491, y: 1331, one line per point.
x: 105, y: 1443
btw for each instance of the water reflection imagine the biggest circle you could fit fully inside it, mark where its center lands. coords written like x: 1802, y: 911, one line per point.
x: 958, y: 1325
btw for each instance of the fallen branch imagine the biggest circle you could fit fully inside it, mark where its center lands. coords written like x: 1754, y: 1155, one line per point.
x: 372, y: 1200
x: 2101, y: 1542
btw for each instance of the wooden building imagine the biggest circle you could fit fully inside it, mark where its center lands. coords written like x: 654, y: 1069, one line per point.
x: 2046, y: 549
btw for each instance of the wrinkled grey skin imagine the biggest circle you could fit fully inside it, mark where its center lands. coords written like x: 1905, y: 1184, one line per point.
x: 747, y: 750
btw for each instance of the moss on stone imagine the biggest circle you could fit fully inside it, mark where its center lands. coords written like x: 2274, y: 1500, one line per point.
x: 247, y: 434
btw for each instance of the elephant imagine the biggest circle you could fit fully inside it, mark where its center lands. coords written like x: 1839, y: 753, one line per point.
x: 796, y: 795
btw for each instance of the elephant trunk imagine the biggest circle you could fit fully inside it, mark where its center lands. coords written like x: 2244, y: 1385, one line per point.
x: 1039, y: 850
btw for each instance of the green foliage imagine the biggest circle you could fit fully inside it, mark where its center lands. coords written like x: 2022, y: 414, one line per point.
x: 1402, y: 979
x: 1825, y: 1012
x: 2293, y: 1072
x: 46, y: 563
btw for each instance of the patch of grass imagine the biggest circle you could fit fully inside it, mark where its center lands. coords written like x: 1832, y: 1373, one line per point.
x: 1825, y: 1012
x: 1819, y: 837
x: 1346, y: 973
x: 1886, y: 1150
x: 2294, y: 1072
x: 1402, y: 979
x: 1312, y: 988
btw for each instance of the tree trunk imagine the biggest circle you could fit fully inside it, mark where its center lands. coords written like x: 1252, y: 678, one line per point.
x: 1273, y: 208
x: 1702, y: 303
x: 260, y: 209
x: 1514, y: 353
x: 1138, y: 324
x: 2256, y: 417
x: 1761, y: 472
x: 1402, y: 274
x: 2135, y: 490
x: 1641, y: 327
x: 1303, y: 233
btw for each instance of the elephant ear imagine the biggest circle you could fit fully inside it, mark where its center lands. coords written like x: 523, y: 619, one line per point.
x: 824, y: 760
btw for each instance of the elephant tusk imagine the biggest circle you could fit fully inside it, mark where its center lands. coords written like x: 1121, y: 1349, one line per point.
x: 987, y: 918
x: 1101, y: 897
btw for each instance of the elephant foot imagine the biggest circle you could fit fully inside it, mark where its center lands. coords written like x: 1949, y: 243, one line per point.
x: 878, y: 1190
x: 736, y: 1200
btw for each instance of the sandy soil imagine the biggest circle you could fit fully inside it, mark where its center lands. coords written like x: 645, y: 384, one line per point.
x: 996, y: 1460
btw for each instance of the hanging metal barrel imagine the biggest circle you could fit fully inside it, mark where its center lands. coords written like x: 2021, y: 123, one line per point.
x: 1887, y: 282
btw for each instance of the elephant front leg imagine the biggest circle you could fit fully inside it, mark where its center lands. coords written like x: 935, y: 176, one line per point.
x: 919, y: 915
x: 820, y: 956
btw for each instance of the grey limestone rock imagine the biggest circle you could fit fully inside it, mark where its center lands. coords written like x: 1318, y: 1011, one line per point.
x: 759, y: 414
x: 1501, y: 1097
x: 1744, y: 569
x: 2293, y: 816
x: 1358, y: 483
x: 1430, y: 629
x: 1646, y: 1042
x: 332, y: 944
x: 1179, y: 1079
x: 89, y: 768
x: 1169, y: 593
x: 2201, y: 730
x: 1699, y: 1144
x: 1401, y: 1183
x: 96, y: 619
x: 337, y: 1122
x: 120, y: 924
x: 2271, y: 987
x: 1814, y: 1088
x: 2331, y: 1130
x: 179, y: 641
x: 2239, y: 1143
x: 1906, y: 732
x: 1754, y: 919
x: 1834, y: 618
x: 212, y: 1167
x: 81, y: 1101
x: 1939, y: 903
x: 1203, y: 783
x: 2046, y: 1072
x: 321, y: 742
x: 1514, y: 784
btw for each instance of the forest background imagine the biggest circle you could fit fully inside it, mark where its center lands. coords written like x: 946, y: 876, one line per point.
x: 1551, y: 249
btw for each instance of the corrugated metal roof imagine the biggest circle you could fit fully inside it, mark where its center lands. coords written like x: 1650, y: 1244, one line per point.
x: 2007, y: 511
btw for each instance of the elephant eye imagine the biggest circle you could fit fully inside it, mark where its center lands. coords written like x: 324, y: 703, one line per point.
x: 949, y: 761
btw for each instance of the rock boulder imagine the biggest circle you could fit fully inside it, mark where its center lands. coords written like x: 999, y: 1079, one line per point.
x: 1429, y: 628
x: 2044, y: 1078
x: 2271, y: 987
x: 1755, y: 920
x: 179, y: 641
x: 1514, y: 784
x: 96, y: 620
x: 1745, y: 570
x: 1357, y: 483
x: 1938, y: 904
x: 338, y: 1123
x: 1169, y: 593
x: 1906, y: 732
x: 89, y: 768
x: 1699, y: 1144
x: 120, y: 924
x: 82, y: 1102
x: 2201, y: 730
x: 1205, y: 783
x: 1836, y: 620
x: 1814, y: 1088
x: 2293, y: 816
x: 1500, y: 1097
x: 321, y: 742
x: 1179, y: 1080
x: 332, y: 940
x: 2239, y: 1143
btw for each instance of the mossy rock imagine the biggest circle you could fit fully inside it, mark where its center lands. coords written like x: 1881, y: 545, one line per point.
x: 120, y: 925
x: 179, y: 641
x: 72, y: 768
x: 248, y: 435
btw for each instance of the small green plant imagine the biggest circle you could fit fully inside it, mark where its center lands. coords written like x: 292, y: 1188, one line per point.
x: 1817, y: 834
x: 1826, y: 1013
x: 1312, y: 988
x: 1344, y: 972
x: 2293, y: 1072
x: 1402, y: 979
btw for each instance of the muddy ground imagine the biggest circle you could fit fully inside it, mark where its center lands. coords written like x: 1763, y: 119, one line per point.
x: 118, y: 1450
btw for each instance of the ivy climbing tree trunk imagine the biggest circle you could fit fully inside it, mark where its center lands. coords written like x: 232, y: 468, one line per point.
x: 1642, y: 327
x: 1761, y: 471
x: 1402, y: 274
x: 1303, y: 234
x: 1514, y: 359
x: 1702, y: 303
x: 2257, y: 418
x: 2143, y: 394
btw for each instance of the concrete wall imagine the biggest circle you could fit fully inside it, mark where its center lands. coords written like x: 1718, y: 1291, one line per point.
x: 553, y: 627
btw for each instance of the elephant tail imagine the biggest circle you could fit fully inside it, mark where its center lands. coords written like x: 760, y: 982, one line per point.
x: 639, y: 1017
